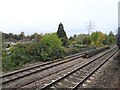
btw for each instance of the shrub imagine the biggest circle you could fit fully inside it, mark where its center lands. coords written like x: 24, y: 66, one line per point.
x: 51, y: 47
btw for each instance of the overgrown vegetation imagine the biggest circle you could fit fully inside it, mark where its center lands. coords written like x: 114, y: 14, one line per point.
x: 51, y: 46
x: 96, y: 39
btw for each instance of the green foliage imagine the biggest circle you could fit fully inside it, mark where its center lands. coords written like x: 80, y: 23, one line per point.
x: 81, y: 39
x: 13, y: 60
x: 4, y: 54
x: 111, y: 38
x: 51, y: 47
x: 62, y: 34
x: 7, y: 63
x: 20, y: 54
x: 32, y: 49
x: 97, y: 38
x: 86, y: 40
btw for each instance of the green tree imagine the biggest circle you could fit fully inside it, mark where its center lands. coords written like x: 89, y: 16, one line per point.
x: 86, y: 40
x: 97, y: 38
x: 71, y: 40
x: 21, y: 35
x: 50, y: 47
x: 79, y: 38
x: 15, y: 59
x: 111, y: 38
x: 62, y: 34
x: 106, y: 42
x: 11, y: 35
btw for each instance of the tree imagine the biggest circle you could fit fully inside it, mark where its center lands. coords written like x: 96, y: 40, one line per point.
x: 50, y: 47
x: 111, y: 38
x: 74, y: 36
x: 97, y: 38
x: 21, y: 35
x: 106, y: 42
x: 71, y: 38
x: 62, y: 34
x: 37, y: 37
x: 79, y: 38
x: 111, y: 34
x: 86, y: 40
x: 32, y: 49
x: 11, y: 35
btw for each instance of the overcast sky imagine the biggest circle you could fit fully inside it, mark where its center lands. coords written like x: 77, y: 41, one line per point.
x: 43, y: 16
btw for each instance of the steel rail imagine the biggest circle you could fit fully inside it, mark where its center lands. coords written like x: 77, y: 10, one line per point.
x: 46, y: 63
x: 50, y: 84
x: 65, y: 61
x: 93, y: 71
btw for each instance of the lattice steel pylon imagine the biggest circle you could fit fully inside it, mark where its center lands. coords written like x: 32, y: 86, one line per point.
x: 90, y: 27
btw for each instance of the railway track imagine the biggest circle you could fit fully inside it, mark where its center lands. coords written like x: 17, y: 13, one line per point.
x: 79, y: 75
x: 8, y: 77
x: 16, y: 75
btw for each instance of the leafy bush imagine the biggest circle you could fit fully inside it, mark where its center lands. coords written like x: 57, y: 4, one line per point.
x: 19, y: 56
x: 50, y: 47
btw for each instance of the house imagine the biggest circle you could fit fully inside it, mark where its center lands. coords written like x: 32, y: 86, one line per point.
x: 11, y: 41
x: 24, y: 41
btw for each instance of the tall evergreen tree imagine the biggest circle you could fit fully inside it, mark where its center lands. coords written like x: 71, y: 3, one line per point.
x: 62, y: 34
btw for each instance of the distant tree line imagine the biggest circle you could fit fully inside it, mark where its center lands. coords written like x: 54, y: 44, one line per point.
x: 96, y: 38
x: 11, y: 35
x: 19, y: 36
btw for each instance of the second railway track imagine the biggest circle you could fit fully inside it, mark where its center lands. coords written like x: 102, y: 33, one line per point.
x: 77, y: 77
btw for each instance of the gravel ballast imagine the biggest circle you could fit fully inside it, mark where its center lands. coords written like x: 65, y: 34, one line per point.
x: 108, y: 77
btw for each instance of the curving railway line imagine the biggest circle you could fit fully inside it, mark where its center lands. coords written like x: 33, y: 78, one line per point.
x: 23, y: 77
x: 77, y: 77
